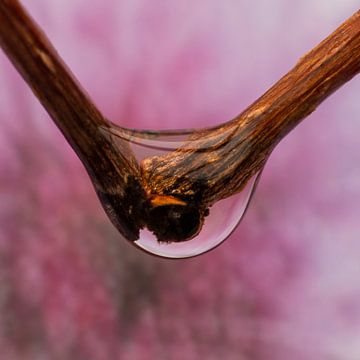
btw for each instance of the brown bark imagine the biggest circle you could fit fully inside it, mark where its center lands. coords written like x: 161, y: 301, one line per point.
x: 171, y: 194
x: 223, y: 159
x: 112, y: 168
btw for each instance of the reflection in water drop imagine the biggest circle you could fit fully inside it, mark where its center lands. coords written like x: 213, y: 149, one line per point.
x: 222, y: 220
x: 221, y: 217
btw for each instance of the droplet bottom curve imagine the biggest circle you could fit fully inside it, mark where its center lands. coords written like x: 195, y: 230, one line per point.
x: 223, y: 218
x: 224, y: 215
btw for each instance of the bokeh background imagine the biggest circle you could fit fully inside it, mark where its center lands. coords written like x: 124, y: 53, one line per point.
x: 286, y: 285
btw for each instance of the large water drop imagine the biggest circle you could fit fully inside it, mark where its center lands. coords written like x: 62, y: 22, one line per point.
x: 222, y: 217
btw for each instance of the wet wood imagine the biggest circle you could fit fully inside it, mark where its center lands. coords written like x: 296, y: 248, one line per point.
x: 112, y: 167
x: 172, y: 194
x: 218, y: 163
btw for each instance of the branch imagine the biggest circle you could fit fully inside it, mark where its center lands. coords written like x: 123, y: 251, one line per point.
x: 164, y: 192
x: 218, y: 162
x: 112, y: 169
x: 226, y: 157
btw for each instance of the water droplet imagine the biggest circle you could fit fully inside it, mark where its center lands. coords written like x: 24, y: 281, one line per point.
x: 186, y: 231
x: 223, y: 218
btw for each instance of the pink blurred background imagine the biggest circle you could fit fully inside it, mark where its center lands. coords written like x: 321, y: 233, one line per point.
x: 286, y: 285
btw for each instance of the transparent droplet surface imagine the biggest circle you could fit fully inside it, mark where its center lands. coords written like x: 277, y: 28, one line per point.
x: 221, y: 218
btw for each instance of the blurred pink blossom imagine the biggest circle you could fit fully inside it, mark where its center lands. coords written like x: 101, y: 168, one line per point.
x: 286, y: 285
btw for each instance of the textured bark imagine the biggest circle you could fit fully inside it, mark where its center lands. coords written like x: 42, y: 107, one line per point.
x: 218, y: 162
x: 171, y: 194
x: 112, y: 168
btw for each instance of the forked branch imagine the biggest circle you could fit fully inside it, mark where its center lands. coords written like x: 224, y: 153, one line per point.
x: 162, y: 192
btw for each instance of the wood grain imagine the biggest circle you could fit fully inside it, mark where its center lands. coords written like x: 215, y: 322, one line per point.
x: 112, y: 167
x: 171, y: 194
x: 224, y: 158
x: 218, y: 162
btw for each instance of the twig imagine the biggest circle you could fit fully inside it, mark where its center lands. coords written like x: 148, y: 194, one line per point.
x: 235, y: 151
x: 217, y: 163
x: 113, y: 169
